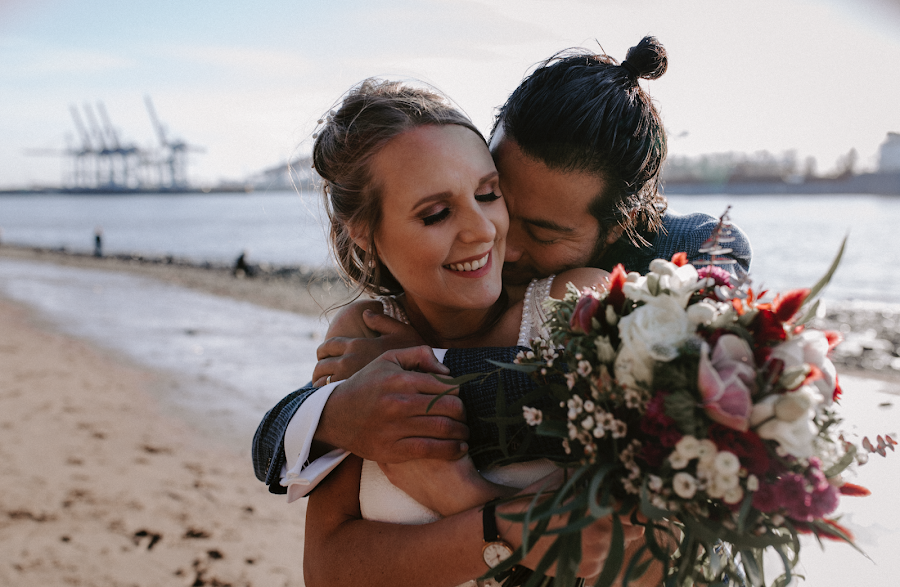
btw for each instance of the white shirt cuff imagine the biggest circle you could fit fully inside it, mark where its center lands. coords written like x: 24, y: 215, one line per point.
x: 299, y: 476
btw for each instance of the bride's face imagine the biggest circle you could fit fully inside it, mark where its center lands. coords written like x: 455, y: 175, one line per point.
x: 443, y: 228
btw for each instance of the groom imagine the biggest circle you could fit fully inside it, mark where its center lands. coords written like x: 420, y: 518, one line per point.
x: 575, y: 199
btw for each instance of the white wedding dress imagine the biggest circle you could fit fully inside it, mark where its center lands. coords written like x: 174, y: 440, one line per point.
x: 381, y: 501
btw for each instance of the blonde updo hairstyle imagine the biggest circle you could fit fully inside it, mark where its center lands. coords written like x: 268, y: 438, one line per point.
x: 370, y: 115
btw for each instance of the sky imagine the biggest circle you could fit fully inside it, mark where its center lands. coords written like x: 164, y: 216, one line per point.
x: 248, y: 80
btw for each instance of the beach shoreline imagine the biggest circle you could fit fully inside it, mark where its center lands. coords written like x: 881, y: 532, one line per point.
x: 291, y: 289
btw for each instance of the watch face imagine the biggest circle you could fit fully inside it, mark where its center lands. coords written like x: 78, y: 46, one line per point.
x: 495, y: 553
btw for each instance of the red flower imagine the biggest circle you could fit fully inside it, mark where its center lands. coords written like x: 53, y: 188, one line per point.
x: 680, y: 259
x: 854, y: 490
x: 836, y: 394
x: 787, y: 305
x: 586, y: 309
x: 746, y: 446
x: 834, y: 339
x: 767, y: 327
x: 616, y: 297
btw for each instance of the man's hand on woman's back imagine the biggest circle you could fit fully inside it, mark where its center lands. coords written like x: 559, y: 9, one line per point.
x: 381, y: 413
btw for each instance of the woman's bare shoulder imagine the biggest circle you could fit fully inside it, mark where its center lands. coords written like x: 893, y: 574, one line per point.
x: 580, y: 277
x: 348, y: 321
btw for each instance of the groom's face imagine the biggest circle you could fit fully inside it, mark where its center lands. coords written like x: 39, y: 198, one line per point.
x: 550, y: 226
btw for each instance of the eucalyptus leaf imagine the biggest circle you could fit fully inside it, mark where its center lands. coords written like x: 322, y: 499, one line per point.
x: 828, y: 274
x: 616, y: 555
x: 845, y: 461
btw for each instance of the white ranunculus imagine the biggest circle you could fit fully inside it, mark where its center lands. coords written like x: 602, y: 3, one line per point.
x: 810, y: 347
x: 795, y: 435
x: 652, y: 332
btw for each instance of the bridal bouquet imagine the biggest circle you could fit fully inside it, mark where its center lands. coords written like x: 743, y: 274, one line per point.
x: 704, y: 410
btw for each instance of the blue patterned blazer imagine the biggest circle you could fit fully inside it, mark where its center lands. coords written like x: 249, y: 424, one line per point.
x: 685, y: 233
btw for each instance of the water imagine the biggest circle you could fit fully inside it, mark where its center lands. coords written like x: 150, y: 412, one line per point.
x: 282, y: 227
x: 794, y: 237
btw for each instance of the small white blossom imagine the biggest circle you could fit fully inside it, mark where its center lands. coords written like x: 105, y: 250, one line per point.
x: 688, y: 447
x: 654, y: 483
x: 706, y: 451
x: 727, y: 481
x: 533, y: 416
x: 599, y: 431
x: 734, y: 495
x: 605, y: 351
x: 571, y: 378
x: 587, y: 423
x: 752, y: 483
x: 589, y: 406
x: 685, y: 485
x: 584, y: 368
x: 677, y: 460
x: 611, y: 317
x: 727, y: 462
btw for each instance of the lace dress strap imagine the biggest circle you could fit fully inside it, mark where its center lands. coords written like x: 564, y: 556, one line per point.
x: 393, y: 309
x: 533, y: 314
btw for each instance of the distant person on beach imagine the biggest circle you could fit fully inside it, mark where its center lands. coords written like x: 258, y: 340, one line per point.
x: 98, y: 242
x: 579, y: 147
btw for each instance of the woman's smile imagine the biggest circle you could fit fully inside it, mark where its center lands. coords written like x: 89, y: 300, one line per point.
x: 470, y: 267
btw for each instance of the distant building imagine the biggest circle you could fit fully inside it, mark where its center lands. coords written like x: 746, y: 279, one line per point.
x: 296, y: 175
x: 889, y: 153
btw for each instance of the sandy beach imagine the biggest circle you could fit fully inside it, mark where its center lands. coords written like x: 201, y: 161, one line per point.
x: 100, y: 488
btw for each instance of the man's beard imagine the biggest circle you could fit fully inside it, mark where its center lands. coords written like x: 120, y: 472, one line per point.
x: 515, y: 274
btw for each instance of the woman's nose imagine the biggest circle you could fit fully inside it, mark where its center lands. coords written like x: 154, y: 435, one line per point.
x: 478, y: 227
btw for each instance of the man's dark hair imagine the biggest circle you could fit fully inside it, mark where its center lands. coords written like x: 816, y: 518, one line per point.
x: 583, y: 112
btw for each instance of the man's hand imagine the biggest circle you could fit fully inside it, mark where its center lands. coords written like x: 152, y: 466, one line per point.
x: 340, y: 357
x: 380, y: 412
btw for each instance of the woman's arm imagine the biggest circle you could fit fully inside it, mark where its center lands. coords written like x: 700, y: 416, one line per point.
x: 447, y: 487
x: 342, y: 549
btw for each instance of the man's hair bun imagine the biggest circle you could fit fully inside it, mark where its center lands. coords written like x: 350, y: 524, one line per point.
x: 647, y: 59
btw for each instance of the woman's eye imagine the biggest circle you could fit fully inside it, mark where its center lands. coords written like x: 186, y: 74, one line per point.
x: 488, y: 197
x: 435, y: 218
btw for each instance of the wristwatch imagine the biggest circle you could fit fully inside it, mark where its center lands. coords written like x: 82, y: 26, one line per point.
x: 495, y: 550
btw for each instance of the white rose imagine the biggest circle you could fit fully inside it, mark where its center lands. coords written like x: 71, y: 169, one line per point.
x: 653, y: 332
x: 810, y: 347
x: 795, y: 436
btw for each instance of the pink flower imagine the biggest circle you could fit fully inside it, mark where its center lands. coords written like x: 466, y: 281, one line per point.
x: 587, y: 307
x: 726, y: 381
x: 718, y: 275
x: 791, y: 494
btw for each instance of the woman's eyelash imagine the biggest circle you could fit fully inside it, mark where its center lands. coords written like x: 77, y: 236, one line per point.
x: 434, y: 218
x: 488, y: 197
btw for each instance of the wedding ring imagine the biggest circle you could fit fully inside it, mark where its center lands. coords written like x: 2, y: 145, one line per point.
x: 328, y: 380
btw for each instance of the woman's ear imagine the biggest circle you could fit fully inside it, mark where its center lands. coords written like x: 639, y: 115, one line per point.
x: 359, y: 237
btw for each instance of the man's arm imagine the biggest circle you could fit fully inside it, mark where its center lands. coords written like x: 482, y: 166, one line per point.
x: 381, y: 413
x: 268, y: 441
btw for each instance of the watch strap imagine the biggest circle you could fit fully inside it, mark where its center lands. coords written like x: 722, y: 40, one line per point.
x: 489, y: 522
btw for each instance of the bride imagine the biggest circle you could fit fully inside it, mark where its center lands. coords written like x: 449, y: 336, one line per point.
x: 418, y: 220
